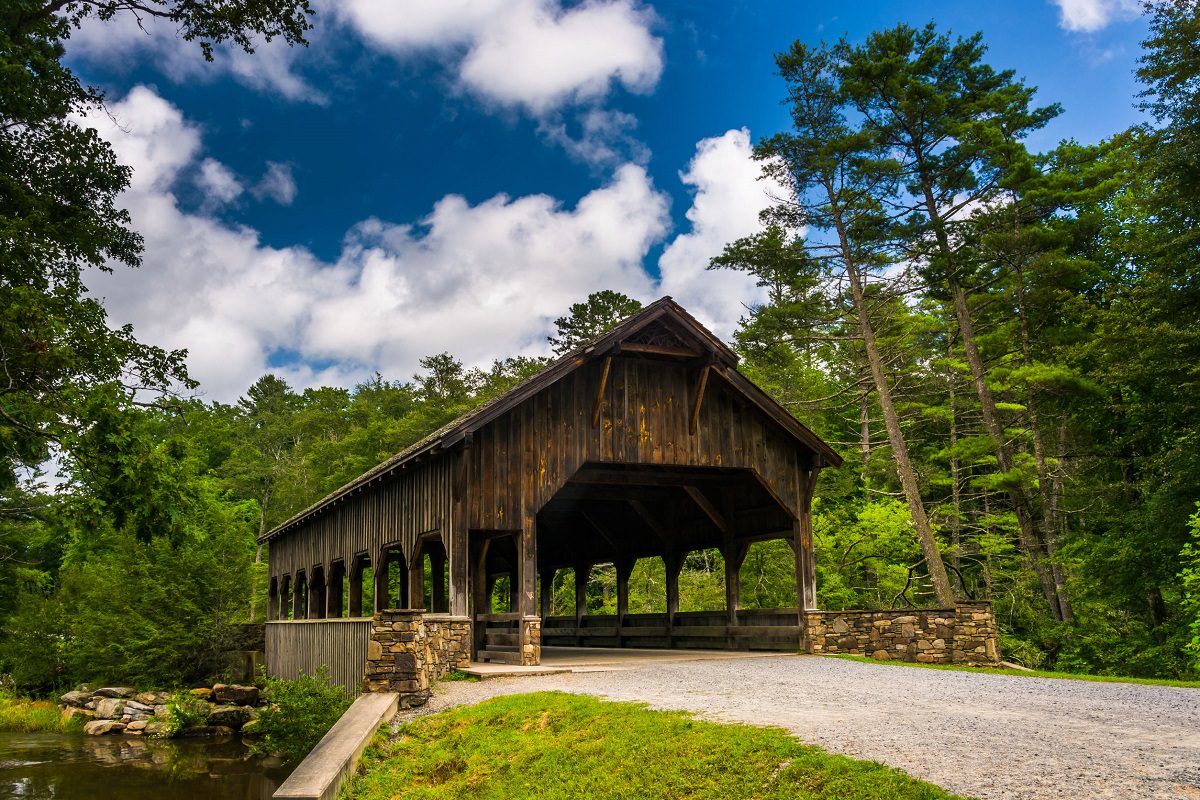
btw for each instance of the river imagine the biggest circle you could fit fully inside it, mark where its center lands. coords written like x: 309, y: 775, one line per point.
x: 40, y: 766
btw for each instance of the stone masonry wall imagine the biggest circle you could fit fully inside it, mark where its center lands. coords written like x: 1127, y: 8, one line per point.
x: 409, y: 650
x: 965, y: 634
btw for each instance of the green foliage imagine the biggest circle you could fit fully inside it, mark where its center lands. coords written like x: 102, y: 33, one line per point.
x: 184, y: 710
x: 298, y: 714
x: 1191, y: 586
x: 598, y: 314
x: 19, y: 715
x: 556, y: 745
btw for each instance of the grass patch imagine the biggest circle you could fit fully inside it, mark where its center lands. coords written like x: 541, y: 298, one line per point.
x: 455, y: 675
x: 1021, y: 673
x: 555, y: 745
x: 35, y: 716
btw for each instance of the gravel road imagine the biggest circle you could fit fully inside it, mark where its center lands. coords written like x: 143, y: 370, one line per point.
x: 980, y: 735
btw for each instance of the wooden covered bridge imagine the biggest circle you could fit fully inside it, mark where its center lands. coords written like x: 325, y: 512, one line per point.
x: 647, y: 442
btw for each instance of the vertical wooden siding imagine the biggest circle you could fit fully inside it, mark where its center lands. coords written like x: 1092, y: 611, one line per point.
x: 340, y: 645
x: 519, y: 461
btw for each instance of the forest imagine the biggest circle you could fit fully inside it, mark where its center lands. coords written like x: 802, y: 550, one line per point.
x: 1004, y: 345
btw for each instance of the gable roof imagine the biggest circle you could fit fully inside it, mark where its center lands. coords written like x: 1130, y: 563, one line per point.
x: 663, y: 310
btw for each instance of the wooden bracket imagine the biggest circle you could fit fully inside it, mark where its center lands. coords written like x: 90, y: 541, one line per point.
x: 600, y: 393
x: 708, y: 508
x: 694, y: 421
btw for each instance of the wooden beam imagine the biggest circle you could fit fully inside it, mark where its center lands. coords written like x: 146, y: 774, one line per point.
x: 658, y: 350
x: 603, y: 533
x: 708, y: 508
x: 694, y: 421
x: 600, y: 393
x: 653, y: 524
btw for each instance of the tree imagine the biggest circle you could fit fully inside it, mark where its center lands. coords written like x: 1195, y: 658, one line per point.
x: 831, y: 169
x: 60, y: 186
x: 598, y: 314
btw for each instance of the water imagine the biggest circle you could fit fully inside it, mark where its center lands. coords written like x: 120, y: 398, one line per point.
x: 39, y: 766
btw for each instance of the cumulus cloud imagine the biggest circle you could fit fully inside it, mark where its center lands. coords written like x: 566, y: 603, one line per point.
x: 482, y: 281
x: 533, y: 54
x: 605, y: 138
x: 277, y: 183
x: 124, y: 40
x: 728, y: 198
x: 217, y: 181
x: 1088, y: 16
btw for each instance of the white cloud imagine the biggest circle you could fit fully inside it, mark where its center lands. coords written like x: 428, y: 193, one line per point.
x: 124, y: 40
x: 728, y: 198
x: 1088, y: 16
x: 217, y: 181
x: 277, y: 183
x: 605, y: 138
x: 481, y: 281
x: 532, y: 54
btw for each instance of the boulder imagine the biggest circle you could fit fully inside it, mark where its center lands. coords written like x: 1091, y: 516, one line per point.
x: 160, y: 711
x: 136, y: 727
x: 210, y: 731
x: 203, y: 693
x: 231, y: 716
x: 114, y: 691
x: 152, y: 698
x: 110, y: 708
x: 76, y: 699
x: 70, y: 712
x: 99, y: 727
x: 250, y: 730
x: 133, y: 706
x: 235, y: 695
x: 155, y: 729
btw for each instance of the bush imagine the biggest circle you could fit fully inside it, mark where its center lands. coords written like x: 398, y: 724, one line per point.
x: 298, y: 714
x: 184, y: 710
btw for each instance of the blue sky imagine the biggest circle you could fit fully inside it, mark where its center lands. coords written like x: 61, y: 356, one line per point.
x: 451, y: 174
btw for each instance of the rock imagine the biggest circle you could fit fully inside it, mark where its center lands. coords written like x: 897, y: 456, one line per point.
x: 882, y: 655
x: 160, y: 711
x: 99, y: 727
x: 136, y: 727
x: 230, y: 716
x: 155, y: 729
x: 132, y: 706
x: 153, y: 698
x: 76, y: 699
x: 210, y: 731
x: 110, y: 708
x: 114, y: 691
x: 839, y: 625
x: 70, y: 712
x: 250, y: 730
x: 235, y: 695
x: 203, y: 693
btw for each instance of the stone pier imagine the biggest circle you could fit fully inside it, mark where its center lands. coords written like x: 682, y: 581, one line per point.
x: 409, y: 650
x: 965, y: 634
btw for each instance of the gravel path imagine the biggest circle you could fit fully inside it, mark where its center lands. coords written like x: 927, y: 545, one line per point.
x: 984, y: 736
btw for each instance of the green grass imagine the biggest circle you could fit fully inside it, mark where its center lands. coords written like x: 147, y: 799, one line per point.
x: 554, y: 745
x: 456, y: 675
x: 35, y: 716
x: 1035, y: 673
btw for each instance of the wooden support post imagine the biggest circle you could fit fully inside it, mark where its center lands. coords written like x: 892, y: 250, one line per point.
x: 416, y: 580
x: 547, y: 581
x: 481, y: 598
x: 437, y: 574
x: 673, y: 562
x: 624, y: 567
x: 582, y: 570
x: 806, y: 566
x: 333, y: 590
x: 457, y: 540
x: 273, y: 599
x: 355, y: 595
x: 381, y: 595
x: 285, y: 597
x: 300, y: 601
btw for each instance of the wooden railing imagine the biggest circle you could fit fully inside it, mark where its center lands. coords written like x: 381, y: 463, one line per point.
x: 300, y: 646
x: 756, y: 629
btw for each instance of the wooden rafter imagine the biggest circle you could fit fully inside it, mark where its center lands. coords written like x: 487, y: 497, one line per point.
x: 708, y: 508
x: 694, y: 420
x: 600, y: 392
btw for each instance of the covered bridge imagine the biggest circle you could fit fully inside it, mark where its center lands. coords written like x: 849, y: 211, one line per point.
x: 647, y: 442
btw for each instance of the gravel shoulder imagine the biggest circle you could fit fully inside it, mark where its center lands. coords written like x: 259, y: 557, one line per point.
x: 981, y: 735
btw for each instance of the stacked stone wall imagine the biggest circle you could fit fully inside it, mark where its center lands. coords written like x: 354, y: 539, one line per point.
x: 965, y: 634
x: 409, y: 650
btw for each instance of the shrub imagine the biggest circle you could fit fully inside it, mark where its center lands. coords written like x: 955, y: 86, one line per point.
x: 184, y: 710
x: 298, y: 714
